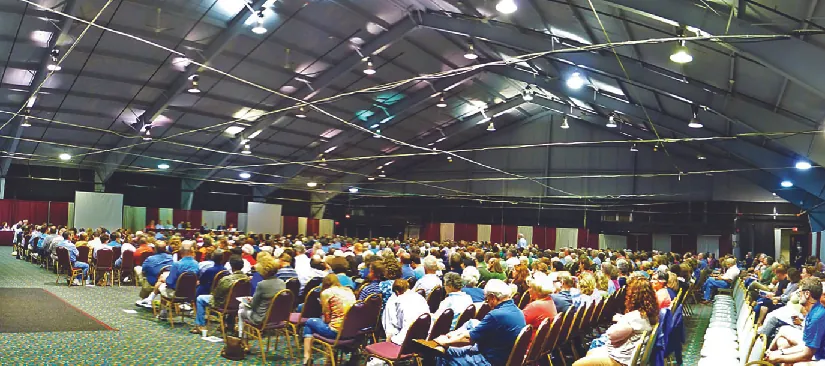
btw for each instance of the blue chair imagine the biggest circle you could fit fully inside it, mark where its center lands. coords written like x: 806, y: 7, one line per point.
x: 677, y: 335
x: 660, y: 346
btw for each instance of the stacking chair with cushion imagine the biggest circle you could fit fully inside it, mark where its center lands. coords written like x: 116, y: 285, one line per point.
x: 293, y: 285
x: 566, y: 330
x: 64, y: 264
x: 524, y: 301
x: 357, y: 317
x: 648, y: 346
x: 372, y: 315
x: 217, y: 278
x: 83, y: 254
x: 186, y: 289
x: 482, y: 311
x: 230, y: 306
x: 391, y: 353
x: 115, y: 253
x: 442, y: 324
x: 311, y: 284
x: 311, y: 309
x: 552, y: 339
x: 105, y: 263
x: 533, y: 352
x: 521, y: 346
x: 435, y: 298
x: 637, y: 352
x: 127, y: 267
x: 465, y: 315
x: 275, y: 321
x: 145, y: 255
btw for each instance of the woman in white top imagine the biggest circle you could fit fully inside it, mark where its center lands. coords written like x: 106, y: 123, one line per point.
x: 623, y: 336
x: 456, y: 300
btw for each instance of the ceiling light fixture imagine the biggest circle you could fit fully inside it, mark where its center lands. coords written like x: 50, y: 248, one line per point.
x: 701, y: 157
x: 369, y: 70
x: 259, y: 26
x: 370, y: 178
x: 449, y: 159
x: 245, y: 175
x: 634, y: 148
x: 681, y: 54
x: 25, y: 122
x: 163, y: 166
x: 353, y: 189
x: 470, y: 54
x: 442, y: 103
x: 54, y: 66
x: 193, y: 88
x: 694, y: 122
x: 301, y: 113
x: 528, y: 96
x: 246, y: 150
x: 786, y: 184
x: 312, y: 184
x: 148, y: 135
x: 575, y: 81
x: 382, y: 175
x: 507, y: 6
x: 612, y: 121
x: 491, y: 127
x: 803, y: 165
x: 65, y: 157
x: 564, y: 124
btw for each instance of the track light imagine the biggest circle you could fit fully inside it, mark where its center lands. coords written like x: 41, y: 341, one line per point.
x: 507, y: 6
x: 163, y: 166
x: 193, y: 88
x: 491, y: 127
x: 301, y: 113
x: 312, y: 184
x: 370, y: 178
x: 25, y: 122
x: 369, y: 70
x: 470, y: 54
x: 564, y: 124
x: 528, y: 95
x: 612, y: 121
x: 53, y: 66
x: 442, y: 103
x: 634, y: 148
x: 449, y: 159
x: 694, y: 122
x: 656, y: 147
x: 246, y: 150
x: 701, y: 157
x: 575, y: 81
x: 803, y: 165
x: 245, y: 175
x: 382, y: 175
x: 353, y: 189
x: 259, y: 25
x: 786, y: 184
x: 65, y: 157
x: 377, y: 134
x: 681, y: 54
x: 148, y: 135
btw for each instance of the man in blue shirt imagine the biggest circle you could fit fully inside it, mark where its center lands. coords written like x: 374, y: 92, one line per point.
x: 489, y: 341
x: 791, y: 347
x: 66, y: 243
x: 186, y: 264
x: 150, y: 272
x: 522, y: 242
x: 406, y: 266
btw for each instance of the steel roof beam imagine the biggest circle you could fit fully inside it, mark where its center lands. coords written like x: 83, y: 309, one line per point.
x: 233, y: 29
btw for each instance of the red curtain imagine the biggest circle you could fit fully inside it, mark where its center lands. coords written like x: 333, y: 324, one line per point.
x: 468, y: 232
x: 313, y: 226
x: 193, y: 217
x: 232, y: 219
x: 431, y: 232
x: 290, y: 225
x: 510, y: 234
x: 586, y: 239
x: 7, y: 211
x: 153, y: 214
x: 725, y: 244
x: 540, y: 236
x: 497, y: 234
x: 59, y: 213
x: 37, y: 212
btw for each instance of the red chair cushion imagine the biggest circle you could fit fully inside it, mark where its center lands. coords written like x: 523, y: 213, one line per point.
x: 296, y: 318
x: 386, y: 350
x: 342, y: 342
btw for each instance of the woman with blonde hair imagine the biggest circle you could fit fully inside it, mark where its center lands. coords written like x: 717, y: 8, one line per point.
x: 336, y: 300
x: 255, y: 310
x: 587, y: 287
x: 602, y: 285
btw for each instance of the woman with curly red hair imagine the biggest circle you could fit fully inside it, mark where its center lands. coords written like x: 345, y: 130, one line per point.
x: 642, y: 311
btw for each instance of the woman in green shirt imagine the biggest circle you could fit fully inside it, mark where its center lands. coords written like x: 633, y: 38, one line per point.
x: 493, y: 270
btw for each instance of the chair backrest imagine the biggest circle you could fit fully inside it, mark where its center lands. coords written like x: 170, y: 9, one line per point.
x: 312, y: 304
x: 355, y: 320
x: 442, y: 325
x: 524, y: 301
x: 116, y: 252
x: 226, y: 255
x: 221, y: 274
x: 757, y: 352
x: 128, y: 260
x: 465, y: 315
x: 552, y: 339
x: 648, y: 345
x: 105, y: 259
x: 566, y: 328
x: 293, y: 285
x: 637, y: 351
x: 63, y: 258
x: 434, y: 299
x: 280, y: 307
x: 417, y: 330
x: 186, y: 286
x: 145, y: 255
x: 238, y: 289
x: 372, y: 312
x: 520, y: 347
x: 534, y: 350
x: 411, y: 281
x: 311, y: 284
x: 482, y: 311
x: 83, y: 254
x: 422, y: 292
x: 198, y: 255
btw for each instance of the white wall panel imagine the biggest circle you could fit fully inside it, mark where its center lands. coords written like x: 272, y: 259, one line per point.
x: 661, y: 242
x: 484, y: 232
x: 612, y: 241
x: 708, y: 244
x: 567, y: 238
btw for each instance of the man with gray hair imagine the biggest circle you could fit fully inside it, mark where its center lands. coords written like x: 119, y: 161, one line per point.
x: 489, y: 341
x: 430, y: 280
x: 456, y: 300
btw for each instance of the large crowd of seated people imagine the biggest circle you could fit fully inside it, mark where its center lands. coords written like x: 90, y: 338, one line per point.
x: 521, y: 284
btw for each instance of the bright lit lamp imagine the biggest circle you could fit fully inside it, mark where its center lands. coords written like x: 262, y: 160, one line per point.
x: 803, y: 165
x: 575, y: 81
x: 786, y: 184
x: 245, y: 175
x: 507, y: 6
x: 564, y: 124
x: 259, y: 25
x: 491, y: 127
x: 353, y: 190
x: 163, y: 166
x: 681, y: 54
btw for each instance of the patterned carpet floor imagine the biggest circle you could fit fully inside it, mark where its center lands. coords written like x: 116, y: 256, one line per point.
x: 139, y: 339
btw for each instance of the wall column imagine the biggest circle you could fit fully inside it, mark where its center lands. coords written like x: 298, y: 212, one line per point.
x: 187, y: 193
x: 100, y: 185
x: 2, y: 188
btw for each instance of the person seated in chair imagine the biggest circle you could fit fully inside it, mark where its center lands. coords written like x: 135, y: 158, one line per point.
x: 336, y: 300
x: 489, y: 341
x: 150, y: 274
x: 74, y: 260
x: 723, y: 281
x: 806, y: 347
x: 254, y: 311
x: 219, y: 297
x: 186, y: 264
x: 403, y: 307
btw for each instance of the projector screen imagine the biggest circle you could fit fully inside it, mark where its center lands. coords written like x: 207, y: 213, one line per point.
x: 263, y: 218
x: 92, y: 209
